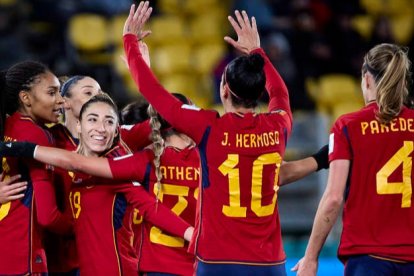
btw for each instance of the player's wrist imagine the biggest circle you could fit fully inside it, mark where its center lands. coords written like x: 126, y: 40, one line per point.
x: 322, y: 158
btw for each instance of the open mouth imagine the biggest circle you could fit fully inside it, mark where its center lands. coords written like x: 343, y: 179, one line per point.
x: 99, y: 138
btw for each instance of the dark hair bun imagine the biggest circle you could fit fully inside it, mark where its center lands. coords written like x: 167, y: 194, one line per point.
x: 255, y: 63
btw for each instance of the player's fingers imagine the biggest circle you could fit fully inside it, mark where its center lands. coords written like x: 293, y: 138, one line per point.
x: 144, y: 34
x: 128, y: 20
x: 230, y: 40
x: 254, y: 24
x: 235, y: 25
x: 138, y: 10
x: 246, y: 18
x: 12, y: 179
x: 146, y: 15
x: 15, y: 197
x: 239, y: 19
x: 17, y: 187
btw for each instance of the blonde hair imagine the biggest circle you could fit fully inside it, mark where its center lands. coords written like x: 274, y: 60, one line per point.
x: 157, y: 145
x: 390, y: 66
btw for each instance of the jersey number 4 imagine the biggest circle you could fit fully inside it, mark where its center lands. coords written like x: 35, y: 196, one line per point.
x: 228, y: 168
x: 401, y: 157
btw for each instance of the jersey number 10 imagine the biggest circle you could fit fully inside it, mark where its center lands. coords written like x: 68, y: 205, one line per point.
x: 228, y: 168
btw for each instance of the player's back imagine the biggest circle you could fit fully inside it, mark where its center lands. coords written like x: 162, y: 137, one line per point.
x: 238, y: 220
x: 160, y: 251
x: 20, y: 236
x: 378, y: 211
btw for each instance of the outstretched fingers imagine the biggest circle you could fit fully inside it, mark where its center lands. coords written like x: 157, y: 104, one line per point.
x: 246, y: 20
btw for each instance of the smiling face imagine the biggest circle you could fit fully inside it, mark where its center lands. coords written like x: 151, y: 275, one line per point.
x: 43, y: 101
x: 98, y: 128
x: 81, y: 92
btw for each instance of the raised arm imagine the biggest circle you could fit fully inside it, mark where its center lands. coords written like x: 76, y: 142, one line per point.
x: 248, y: 41
x: 181, y: 117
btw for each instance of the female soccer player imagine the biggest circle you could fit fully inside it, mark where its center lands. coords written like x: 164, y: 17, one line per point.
x: 237, y: 226
x: 30, y: 95
x: 162, y: 253
x: 371, y: 174
x: 176, y: 162
x: 99, y: 206
x: 76, y: 91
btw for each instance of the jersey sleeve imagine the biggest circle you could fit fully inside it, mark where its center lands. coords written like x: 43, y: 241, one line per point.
x: 47, y: 211
x: 189, y: 120
x: 153, y: 212
x: 131, y: 166
x: 339, y: 144
x: 275, y: 87
x: 137, y: 136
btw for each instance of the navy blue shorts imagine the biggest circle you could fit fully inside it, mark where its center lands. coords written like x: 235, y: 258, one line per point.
x: 239, y: 270
x: 365, y: 265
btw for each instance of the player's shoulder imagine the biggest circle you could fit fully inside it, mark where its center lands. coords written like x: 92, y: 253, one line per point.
x: 34, y: 133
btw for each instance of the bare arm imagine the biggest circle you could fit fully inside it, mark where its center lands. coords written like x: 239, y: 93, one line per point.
x: 292, y: 171
x: 326, y: 215
x: 72, y: 161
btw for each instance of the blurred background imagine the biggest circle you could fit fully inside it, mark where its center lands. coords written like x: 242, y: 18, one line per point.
x: 316, y: 45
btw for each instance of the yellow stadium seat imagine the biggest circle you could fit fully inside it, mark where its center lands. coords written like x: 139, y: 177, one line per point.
x: 206, y: 57
x: 167, y: 30
x: 88, y: 31
x: 116, y: 28
x: 170, y: 6
x: 334, y: 89
x: 363, y: 24
x: 88, y: 34
x: 7, y: 3
x: 402, y: 28
x: 373, y: 7
x: 181, y: 83
x: 399, y: 7
x: 344, y: 108
x: 208, y: 27
x: 171, y: 59
x: 199, y: 7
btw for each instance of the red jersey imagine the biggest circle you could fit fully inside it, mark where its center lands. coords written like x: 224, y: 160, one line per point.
x: 61, y: 252
x: 237, y: 218
x: 180, y: 169
x: 378, y: 211
x: 22, y: 250
x: 103, y: 223
x: 137, y: 136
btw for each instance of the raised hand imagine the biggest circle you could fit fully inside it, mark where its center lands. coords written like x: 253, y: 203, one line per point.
x: 137, y: 19
x: 11, y: 191
x: 247, y: 35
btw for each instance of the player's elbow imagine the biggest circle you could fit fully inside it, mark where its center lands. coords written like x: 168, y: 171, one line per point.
x: 333, y: 202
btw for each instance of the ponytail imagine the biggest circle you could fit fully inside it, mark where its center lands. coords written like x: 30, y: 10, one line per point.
x: 390, y: 67
x: 158, y: 146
